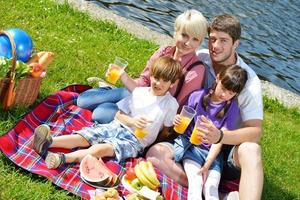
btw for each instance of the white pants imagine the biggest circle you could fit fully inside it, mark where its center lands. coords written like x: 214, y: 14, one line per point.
x: 195, y: 180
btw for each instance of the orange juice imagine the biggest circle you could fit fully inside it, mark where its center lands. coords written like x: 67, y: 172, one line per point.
x: 185, y: 121
x: 194, y: 137
x: 113, y: 76
x: 140, y: 133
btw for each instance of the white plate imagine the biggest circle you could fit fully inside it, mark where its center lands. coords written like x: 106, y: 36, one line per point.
x: 127, y: 185
x: 99, y: 187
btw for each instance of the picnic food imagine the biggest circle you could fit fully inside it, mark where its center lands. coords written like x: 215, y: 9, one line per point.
x: 130, y: 174
x: 36, y: 69
x: 144, y: 170
x: 145, y: 194
x: 136, y: 184
x: 95, y: 172
x: 109, y: 194
x: 45, y: 59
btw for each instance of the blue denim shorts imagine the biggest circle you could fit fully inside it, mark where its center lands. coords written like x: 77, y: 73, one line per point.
x: 124, y: 142
x: 183, y: 149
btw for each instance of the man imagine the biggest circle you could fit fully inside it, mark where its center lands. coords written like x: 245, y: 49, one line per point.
x: 224, y: 38
x: 244, y: 158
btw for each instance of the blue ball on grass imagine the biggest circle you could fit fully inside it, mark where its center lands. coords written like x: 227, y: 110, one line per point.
x: 23, y: 43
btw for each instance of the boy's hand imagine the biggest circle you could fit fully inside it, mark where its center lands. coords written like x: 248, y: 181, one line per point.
x: 141, y: 122
x: 177, y: 120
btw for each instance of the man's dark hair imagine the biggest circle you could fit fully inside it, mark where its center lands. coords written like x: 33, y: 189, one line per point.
x: 228, y: 24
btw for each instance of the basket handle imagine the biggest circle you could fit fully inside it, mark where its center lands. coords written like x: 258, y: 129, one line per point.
x: 14, y: 53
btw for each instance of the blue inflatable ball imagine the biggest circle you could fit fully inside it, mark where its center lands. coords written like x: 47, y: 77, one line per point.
x: 23, y: 45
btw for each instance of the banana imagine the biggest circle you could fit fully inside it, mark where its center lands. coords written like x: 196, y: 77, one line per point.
x: 148, y: 171
x: 153, y: 173
x: 143, y: 178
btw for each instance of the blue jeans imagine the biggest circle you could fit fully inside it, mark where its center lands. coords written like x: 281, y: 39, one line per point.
x: 102, y: 101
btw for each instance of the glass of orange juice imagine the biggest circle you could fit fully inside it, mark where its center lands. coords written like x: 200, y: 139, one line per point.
x: 194, y: 139
x: 115, y: 70
x: 140, y: 133
x: 187, y: 113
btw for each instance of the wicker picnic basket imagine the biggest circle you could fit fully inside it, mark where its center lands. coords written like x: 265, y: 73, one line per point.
x: 25, y: 92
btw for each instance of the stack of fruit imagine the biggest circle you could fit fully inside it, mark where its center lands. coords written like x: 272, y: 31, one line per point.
x: 143, y: 174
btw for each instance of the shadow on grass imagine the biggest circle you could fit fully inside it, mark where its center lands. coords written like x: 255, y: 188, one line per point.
x: 273, y: 191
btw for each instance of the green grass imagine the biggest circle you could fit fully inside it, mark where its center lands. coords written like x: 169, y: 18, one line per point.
x: 83, y: 48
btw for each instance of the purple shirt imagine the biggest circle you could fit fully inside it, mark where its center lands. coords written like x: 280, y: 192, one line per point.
x: 228, y: 121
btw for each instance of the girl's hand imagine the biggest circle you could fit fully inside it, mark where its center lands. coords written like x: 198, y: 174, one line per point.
x: 204, y: 172
x: 141, y: 122
x: 177, y: 120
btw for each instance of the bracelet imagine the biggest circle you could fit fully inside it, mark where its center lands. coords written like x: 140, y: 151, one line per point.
x: 221, y: 136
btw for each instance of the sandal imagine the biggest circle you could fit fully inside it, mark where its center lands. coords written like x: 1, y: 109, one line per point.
x: 42, y: 139
x: 55, y: 160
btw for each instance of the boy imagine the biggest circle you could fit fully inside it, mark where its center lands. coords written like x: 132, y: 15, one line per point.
x: 151, y: 108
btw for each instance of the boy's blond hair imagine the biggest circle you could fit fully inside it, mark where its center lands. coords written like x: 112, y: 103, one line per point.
x: 166, y: 68
x: 193, y: 23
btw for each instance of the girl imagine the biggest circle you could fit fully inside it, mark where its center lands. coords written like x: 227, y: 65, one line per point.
x: 219, y: 105
x: 190, y: 28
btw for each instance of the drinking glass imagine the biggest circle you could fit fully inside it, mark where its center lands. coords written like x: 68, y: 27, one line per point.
x: 115, y: 70
x: 186, y: 115
x: 194, y: 139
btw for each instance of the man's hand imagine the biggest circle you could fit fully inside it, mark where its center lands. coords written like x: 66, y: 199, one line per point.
x: 211, y: 132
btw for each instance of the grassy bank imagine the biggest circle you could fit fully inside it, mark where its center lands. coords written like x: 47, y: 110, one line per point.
x: 84, y: 48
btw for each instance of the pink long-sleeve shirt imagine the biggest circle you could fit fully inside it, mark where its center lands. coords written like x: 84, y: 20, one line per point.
x: 193, y: 79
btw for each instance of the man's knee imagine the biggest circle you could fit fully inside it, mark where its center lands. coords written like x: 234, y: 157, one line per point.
x: 249, y: 152
x: 158, y: 150
x: 158, y: 153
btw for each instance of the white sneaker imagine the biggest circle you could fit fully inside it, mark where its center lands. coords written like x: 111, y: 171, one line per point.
x: 233, y: 196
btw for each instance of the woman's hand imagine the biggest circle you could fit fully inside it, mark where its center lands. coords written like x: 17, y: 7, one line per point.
x: 177, y: 120
x: 113, y: 67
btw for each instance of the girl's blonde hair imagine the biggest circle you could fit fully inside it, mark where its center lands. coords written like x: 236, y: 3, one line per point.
x: 193, y: 23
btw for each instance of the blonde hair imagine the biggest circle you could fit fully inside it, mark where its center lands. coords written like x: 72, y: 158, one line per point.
x: 193, y: 23
x: 166, y: 68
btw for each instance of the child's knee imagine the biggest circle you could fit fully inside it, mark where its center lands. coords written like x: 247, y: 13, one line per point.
x: 101, y: 150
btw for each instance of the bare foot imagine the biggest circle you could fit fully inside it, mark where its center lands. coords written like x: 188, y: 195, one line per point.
x: 54, y: 160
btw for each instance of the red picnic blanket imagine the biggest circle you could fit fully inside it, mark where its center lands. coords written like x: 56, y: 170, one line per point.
x: 60, y: 112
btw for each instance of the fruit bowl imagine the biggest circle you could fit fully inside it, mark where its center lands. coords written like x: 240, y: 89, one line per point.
x: 127, y: 185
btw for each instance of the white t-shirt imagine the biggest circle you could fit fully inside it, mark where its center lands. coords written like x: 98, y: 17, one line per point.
x: 160, y: 109
x: 250, y: 99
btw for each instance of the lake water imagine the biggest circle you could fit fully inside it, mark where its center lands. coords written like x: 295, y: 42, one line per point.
x: 270, y: 38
